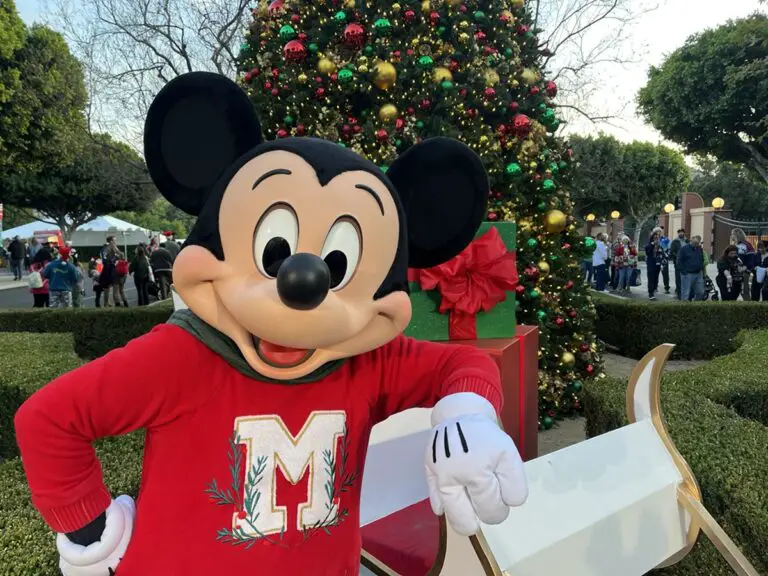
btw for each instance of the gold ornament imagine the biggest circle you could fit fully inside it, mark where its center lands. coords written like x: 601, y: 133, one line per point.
x: 543, y: 268
x: 349, y: 4
x: 532, y: 165
x: 517, y: 3
x: 483, y: 139
x: 385, y: 75
x: 529, y: 148
x: 326, y: 66
x: 302, y: 78
x: 464, y: 24
x: 530, y: 75
x: 362, y: 61
x: 463, y: 37
x: 395, y: 7
x: 525, y: 225
x: 568, y: 359
x: 491, y: 77
x: 441, y: 74
x: 426, y: 6
x: 388, y: 113
x: 362, y: 69
x: 508, y: 15
x: 514, y: 83
x: 555, y: 221
x: 453, y: 2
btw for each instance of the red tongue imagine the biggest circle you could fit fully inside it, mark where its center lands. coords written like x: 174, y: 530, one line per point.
x: 281, y: 355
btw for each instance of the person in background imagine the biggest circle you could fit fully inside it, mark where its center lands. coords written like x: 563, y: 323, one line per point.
x: 665, y: 244
x: 139, y: 267
x: 17, y: 253
x: 690, y: 263
x: 62, y: 278
x: 171, y: 246
x: 78, y: 291
x: 40, y: 295
x: 614, y: 282
x: 625, y: 258
x: 746, y: 253
x: 120, y: 274
x: 599, y: 262
x: 674, y: 250
x: 586, y: 270
x: 653, y: 262
x: 761, y: 259
x: 161, y: 261
x: 32, y: 249
x: 730, y: 274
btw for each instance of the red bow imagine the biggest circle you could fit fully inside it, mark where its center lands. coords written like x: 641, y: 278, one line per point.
x: 475, y: 280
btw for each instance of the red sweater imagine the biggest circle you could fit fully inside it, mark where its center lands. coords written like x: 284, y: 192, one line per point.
x: 239, y: 475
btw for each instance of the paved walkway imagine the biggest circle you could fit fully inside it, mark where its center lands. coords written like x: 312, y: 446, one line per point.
x: 641, y: 292
x: 571, y: 431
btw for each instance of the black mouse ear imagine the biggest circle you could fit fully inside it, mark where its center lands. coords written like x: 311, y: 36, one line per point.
x: 443, y: 187
x: 196, y: 127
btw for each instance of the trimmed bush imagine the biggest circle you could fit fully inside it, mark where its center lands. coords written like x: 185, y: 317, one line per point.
x: 699, y: 330
x: 96, y: 331
x: 28, y: 362
x: 718, y: 417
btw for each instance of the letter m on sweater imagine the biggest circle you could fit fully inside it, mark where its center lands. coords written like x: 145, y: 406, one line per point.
x: 269, y: 446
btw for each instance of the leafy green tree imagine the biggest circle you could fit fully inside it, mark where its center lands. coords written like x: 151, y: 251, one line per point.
x: 160, y: 216
x: 104, y: 177
x: 596, y: 185
x: 711, y: 95
x: 745, y: 193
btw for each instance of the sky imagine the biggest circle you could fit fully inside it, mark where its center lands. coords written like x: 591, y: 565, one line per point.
x: 661, y: 30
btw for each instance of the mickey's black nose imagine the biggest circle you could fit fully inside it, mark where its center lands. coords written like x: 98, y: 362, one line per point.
x: 303, y: 281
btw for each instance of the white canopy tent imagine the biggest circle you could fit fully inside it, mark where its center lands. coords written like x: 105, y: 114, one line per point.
x: 93, y: 233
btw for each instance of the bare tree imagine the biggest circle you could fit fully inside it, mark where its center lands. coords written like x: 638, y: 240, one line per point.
x: 130, y: 48
x: 584, y: 41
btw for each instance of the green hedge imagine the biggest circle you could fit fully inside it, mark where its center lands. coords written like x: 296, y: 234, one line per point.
x: 699, y: 330
x: 96, y: 331
x: 28, y: 362
x: 718, y: 418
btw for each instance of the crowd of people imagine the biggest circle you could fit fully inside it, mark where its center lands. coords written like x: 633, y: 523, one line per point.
x: 56, y: 278
x: 741, y: 270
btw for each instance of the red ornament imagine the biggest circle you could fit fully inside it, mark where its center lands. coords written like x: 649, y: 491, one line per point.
x: 551, y: 89
x: 480, y: 36
x: 410, y: 110
x: 409, y: 15
x: 584, y: 348
x: 434, y: 18
x: 357, y: 129
x: 294, y: 51
x: 275, y: 92
x: 514, y: 106
x: 275, y: 6
x: 492, y: 216
x: 472, y: 113
x: 463, y: 92
x: 453, y: 65
x: 522, y: 29
x: 318, y: 79
x: 504, y: 18
x: 295, y: 18
x: 354, y: 35
x: 247, y: 76
x: 275, y: 73
x: 426, y: 104
x: 302, y: 36
x: 534, y: 90
x: 254, y: 72
x: 572, y: 313
x: 590, y: 369
x: 301, y: 130
x: 346, y: 129
x: 501, y: 128
x: 382, y: 135
x: 559, y: 321
x: 242, y: 515
x: 566, y: 246
x: 522, y: 125
x: 489, y: 93
x: 520, y: 289
x: 569, y: 285
x: 282, y: 133
x: 267, y: 85
x: 320, y: 92
x: 399, y: 124
x: 570, y: 153
x: 532, y: 272
x: 410, y: 52
x: 396, y: 56
x: 537, y: 177
x: 488, y: 50
x: 463, y: 8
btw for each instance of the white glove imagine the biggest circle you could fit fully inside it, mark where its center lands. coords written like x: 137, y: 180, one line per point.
x: 474, y: 470
x: 100, y: 558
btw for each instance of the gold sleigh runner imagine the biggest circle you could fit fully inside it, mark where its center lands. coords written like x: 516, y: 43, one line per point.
x: 501, y: 550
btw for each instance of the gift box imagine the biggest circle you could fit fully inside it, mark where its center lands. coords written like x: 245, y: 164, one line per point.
x: 408, y: 542
x: 471, y: 296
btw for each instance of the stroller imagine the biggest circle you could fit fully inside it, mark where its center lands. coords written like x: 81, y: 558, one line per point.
x: 709, y: 289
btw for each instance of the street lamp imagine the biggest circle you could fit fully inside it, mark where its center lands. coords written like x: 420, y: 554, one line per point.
x: 590, y: 217
x: 615, y: 214
x: 669, y: 208
x: 718, y: 203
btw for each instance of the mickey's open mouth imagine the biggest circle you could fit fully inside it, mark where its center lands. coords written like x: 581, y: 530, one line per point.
x: 281, y: 356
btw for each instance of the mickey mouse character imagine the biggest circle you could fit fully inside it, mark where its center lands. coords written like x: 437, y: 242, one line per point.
x: 263, y: 393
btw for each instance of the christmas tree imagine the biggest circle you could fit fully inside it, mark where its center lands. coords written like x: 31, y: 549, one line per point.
x: 378, y: 76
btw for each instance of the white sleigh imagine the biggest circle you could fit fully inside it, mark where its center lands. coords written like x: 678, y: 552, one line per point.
x: 621, y: 503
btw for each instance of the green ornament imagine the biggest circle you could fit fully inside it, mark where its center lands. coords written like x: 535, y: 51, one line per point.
x: 542, y: 107
x: 541, y: 315
x: 384, y: 168
x: 287, y: 32
x: 554, y: 125
x: 577, y: 385
x: 446, y: 85
x: 382, y: 26
x: 340, y: 16
x: 345, y: 76
x: 441, y: 30
x: 548, y: 115
x: 563, y: 164
x: 554, y: 168
x: 528, y: 35
x: 341, y: 144
x: 548, y: 185
x: 368, y: 50
x: 479, y: 16
x: 288, y: 120
x: 534, y: 293
x: 547, y: 422
x: 508, y: 52
x: 514, y: 170
x: 589, y: 242
x: 314, y: 47
x: 419, y: 124
x: 426, y: 62
x: 553, y: 257
x: 532, y: 242
x: 517, y: 304
x: 542, y: 206
x: 244, y: 47
x: 398, y: 143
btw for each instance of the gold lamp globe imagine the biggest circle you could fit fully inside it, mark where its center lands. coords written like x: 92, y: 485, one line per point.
x: 718, y: 203
x: 669, y: 208
x: 615, y: 214
x: 590, y: 217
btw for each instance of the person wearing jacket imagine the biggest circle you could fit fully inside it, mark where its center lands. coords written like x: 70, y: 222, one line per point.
x: 41, y: 298
x: 17, y: 253
x: 62, y: 278
x: 162, y: 265
x: 674, y: 250
x: 139, y: 267
x: 690, y: 264
x: 730, y: 274
x: 599, y: 262
x: 653, y: 259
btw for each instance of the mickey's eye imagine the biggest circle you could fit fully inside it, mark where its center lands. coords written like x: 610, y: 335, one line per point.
x: 275, y: 239
x: 341, y: 252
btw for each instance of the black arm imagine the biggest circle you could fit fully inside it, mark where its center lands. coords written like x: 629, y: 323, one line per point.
x: 90, y: 533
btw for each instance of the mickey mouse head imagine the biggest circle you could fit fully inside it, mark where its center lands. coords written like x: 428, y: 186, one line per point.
x: 301, y: 247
